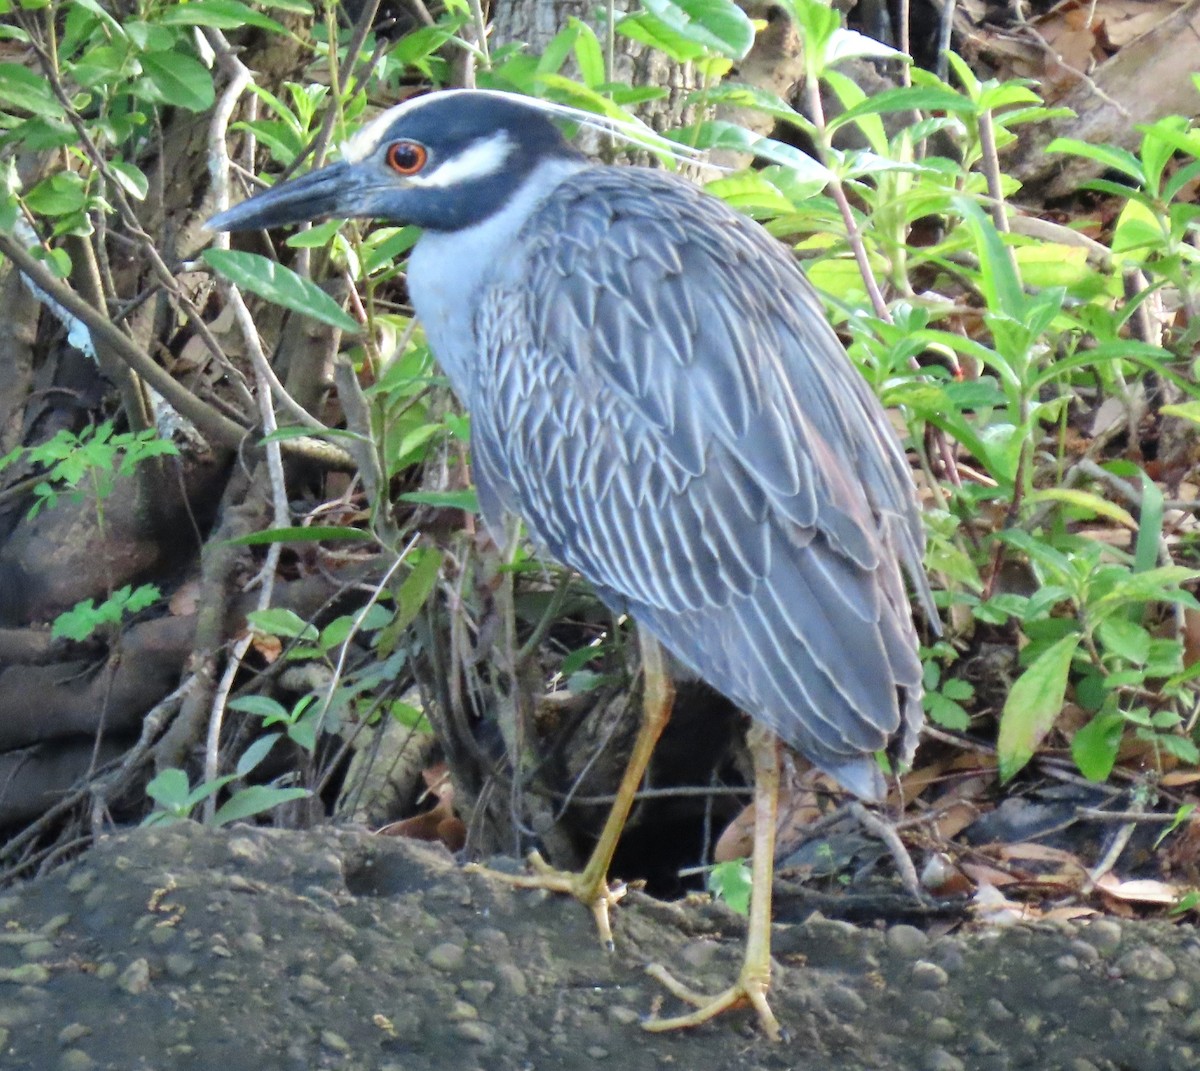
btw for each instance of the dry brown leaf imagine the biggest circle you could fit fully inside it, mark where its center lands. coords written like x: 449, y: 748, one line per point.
x: 982, y: 874
x: 269, y: 648
x: 1120, y: 21
x: 1139, y: 891
x: 186, y: 599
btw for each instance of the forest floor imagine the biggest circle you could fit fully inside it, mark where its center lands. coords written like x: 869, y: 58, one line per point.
x: 182, y: 947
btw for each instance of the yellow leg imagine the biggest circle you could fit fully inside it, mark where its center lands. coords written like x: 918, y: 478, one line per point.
x: 755, y: 977
x: 591, y: 886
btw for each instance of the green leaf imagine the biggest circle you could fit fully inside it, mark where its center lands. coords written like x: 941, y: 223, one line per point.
x: 1138, y: 227
x: 1150, y: 525
x: 271, y: 280
x: 1182, y: 815
x: 261, y: 706
x: 718, y: 25
x: 466, y: 500
x: 1084, y: 500
x: 1000, y: 284
x: 169, y: 788
x: 300, y: 534
x: 179, y: 79
x: 220, y: 14
x: 417, y: 587
x: 256, y: 752
x: 1109, y: 156
x: 282, y: 622
x: 1094, y: 747
x: 1124, y: 638
x: 22, y: 90
x: 254, y: 800
x: 1033, y: 704
x: 731, y: 882
x: 946, y: 712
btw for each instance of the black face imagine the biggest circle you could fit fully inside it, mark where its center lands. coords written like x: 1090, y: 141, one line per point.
x: 444, y: 162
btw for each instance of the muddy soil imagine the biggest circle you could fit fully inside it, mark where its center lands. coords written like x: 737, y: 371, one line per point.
x: 182, y: 948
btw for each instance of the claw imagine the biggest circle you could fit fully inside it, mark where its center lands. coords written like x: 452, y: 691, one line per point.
x: 750, y: 988
x: 594, y: 893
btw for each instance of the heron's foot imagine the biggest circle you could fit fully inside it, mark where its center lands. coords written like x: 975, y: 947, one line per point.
x: 591, y: 890
x: 750, y: 988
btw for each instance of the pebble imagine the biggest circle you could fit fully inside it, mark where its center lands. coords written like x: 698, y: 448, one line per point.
x: 844, y: 1002
x: 72, y: 1032
x: 76, y: 1060
x: 26, y: 974
x: 334, y: 1041
x: 1103, y: 935
x: 941, y: 1060
x: 344, y: 964
x: 251, y: 942
x: 941, y: 1029
x: 135, y: 978
x: 512, y: 978
x: 597, y: 1052
x: 244, y: 849
x: 926, y: 975
x: 907, y: 941
x: 1081, y: 1064
x: 1148, y: 963
x: 623, y: 1014
x: 81, y: 882
x: 996, y: 1010
x: 179, y: 965
x: 462, y: 1011
x: 446, y: 957
x: 699, y: 954
x: 1190, y: 1027
x: 1179, y: 993
x: 37, y: 949
x: 475, y: 1030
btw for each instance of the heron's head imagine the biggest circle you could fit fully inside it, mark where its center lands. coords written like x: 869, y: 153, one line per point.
x: 443, y: 161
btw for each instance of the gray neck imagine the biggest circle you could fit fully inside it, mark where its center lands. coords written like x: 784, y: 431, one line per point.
x: 449, y: 271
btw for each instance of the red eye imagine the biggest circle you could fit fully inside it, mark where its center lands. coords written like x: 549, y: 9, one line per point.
x: 406, y: 157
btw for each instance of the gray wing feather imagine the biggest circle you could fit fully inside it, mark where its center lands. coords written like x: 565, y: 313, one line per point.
x: 662, y: 400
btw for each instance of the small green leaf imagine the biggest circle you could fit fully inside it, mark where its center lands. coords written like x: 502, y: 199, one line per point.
x: 220, y: 14
x: 417, y: 587
x: 718, y: 25
x: 271, y: 280
x: 261, y: 706
x: 1094, y: 747
x: 467, y: 499
x: 731, y: 882
x: 300, y: 534
x: 22, y: 90
x: 1033, y: 705
x: 282, y: 622
x: 1109, y: 156
x: 1085, y: 500
x: 254, y: 800
x: 169, y: 788
x: 256, y: 752
x: 1122, y: 637
x: 1182, y: 815
x: 1138, y: 227
x: 179, y: 79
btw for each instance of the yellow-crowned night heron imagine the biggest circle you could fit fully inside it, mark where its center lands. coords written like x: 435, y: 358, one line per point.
x: 655, y: 390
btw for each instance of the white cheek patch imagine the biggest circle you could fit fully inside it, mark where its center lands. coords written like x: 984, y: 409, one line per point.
x: 479, y: 160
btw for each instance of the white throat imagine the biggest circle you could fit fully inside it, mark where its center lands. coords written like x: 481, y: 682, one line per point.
x: 449, y: 270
